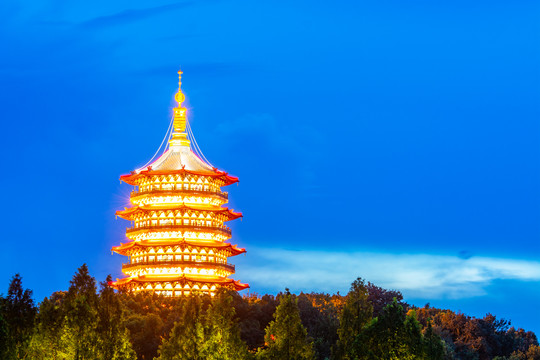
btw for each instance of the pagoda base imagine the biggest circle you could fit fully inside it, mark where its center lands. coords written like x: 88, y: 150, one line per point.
x: 177, y: 285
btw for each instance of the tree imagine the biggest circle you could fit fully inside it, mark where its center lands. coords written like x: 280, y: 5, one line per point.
x: 320, y: 317
x: 533, y: 353
x: 355, y: 315
x: 145, y: 320
x: 80, y: 338
x: 187, y: 336
x: 222, y: 335
x: 211, y: 334
x: 46, y: 342
x: 18, y: 312
x: 380, y: 298
x: 3, y: 334
x: 114, y: 336
x: 145, y: 333
x: 432, y: 343
x: 393, y: 335
x: 285, y: 337
x: 254, y: 314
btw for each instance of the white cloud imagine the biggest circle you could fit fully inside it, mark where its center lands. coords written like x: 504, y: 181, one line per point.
x: 416, y: 275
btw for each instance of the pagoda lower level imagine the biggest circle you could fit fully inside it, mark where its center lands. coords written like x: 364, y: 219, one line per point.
x: 178, y: 242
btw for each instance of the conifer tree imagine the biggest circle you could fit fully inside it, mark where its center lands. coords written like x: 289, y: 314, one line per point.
x: 285, y: 337
x: 187, y: 336
x: 222, y: 336
x: 46, y: 342
x: 80, y: 338
x: 393, y: 335
x: 355, y: 315
x: 18, y: 312
x: 114, y: 337
x: 432, y: 343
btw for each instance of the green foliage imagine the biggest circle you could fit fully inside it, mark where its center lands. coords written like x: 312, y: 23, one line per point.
x: 79, y: 324
x: 393, y: 335
x: 319, y: 315
x: 432, y: 344
x: 285, y: 337
x: 212, y: 334
x: 149, y: 319
x: 145, y: 332
x: 111, y: 328
x: 46, y: 342
x: 356, y: 314
x: 187, y: 335
x: 82, y: 324
x: 79, y: 336
x: 254, y: 314
x: 222, y: 335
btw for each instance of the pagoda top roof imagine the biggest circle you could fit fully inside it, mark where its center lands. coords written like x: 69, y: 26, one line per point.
x: 178, y: 160
x: 179, y: 157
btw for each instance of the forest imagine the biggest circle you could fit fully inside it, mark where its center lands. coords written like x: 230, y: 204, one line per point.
x: 93, y: 321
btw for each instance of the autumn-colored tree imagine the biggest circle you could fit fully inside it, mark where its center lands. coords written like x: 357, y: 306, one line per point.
x: 286, y: 337
x: 379, y: 298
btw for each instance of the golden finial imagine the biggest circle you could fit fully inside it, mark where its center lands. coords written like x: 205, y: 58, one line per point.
x: 179, y: 135
x: 179, y: 97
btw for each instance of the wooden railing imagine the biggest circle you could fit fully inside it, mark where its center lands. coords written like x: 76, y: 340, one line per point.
x: 171, y: 227
x: 183, y: 191
x: 201, y: 263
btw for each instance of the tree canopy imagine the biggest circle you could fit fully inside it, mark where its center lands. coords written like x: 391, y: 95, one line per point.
x: 86, y: 323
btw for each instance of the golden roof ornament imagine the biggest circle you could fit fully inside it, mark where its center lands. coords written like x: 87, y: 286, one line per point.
x: 179, y: 135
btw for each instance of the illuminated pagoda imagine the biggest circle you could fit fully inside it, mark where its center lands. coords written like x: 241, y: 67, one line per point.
x: 178, y: 240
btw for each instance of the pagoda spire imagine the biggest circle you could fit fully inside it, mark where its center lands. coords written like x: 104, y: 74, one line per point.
x: 179, y: 135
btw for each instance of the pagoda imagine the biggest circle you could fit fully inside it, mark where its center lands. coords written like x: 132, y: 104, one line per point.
x: 177, y: 239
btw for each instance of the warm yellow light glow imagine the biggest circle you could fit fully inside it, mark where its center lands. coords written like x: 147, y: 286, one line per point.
x: 177, y: 232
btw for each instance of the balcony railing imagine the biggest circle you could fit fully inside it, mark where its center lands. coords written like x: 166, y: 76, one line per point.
x: 182, y: 191
x: 171, y: 227
x: 187, y: 263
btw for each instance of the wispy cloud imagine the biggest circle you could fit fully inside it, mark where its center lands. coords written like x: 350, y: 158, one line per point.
x: 416, y: 275
x: 131, y: 15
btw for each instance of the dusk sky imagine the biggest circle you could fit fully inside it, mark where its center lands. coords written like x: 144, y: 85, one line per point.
x: 397, y: 141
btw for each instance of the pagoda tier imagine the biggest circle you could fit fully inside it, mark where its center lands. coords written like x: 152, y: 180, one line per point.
x: 180, y: 246
x: 178, y: 238
x: 175, y: 285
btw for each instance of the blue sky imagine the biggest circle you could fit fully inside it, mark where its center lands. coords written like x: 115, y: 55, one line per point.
x: 396, y: 141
